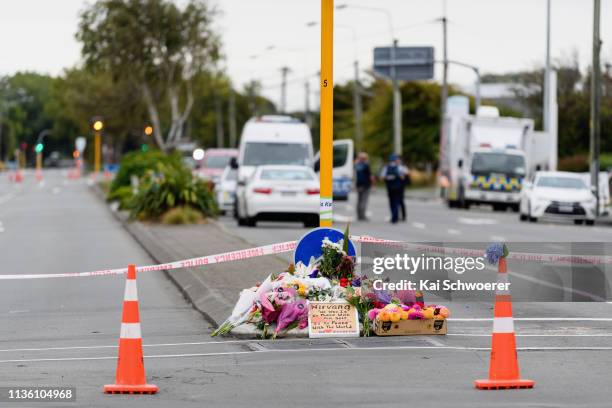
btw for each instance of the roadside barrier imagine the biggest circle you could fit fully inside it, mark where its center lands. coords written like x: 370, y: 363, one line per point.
x: 283, y: 247
x: 130, y: 377
x: 503, y: 367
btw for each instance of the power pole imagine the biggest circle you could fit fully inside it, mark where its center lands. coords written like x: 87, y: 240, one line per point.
x: 595, y: 102
x: 397, y: 104
x: 357, y: 108
x: 444, y: 95
x: 284, y: 72
x: 232, y: 118
x: 546, y: 110
x: 219, y: 120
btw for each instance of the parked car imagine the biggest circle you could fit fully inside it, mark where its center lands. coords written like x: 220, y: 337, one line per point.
x: 555, y: 194
x: 214, y: 162
x: 225, y: 190
x: 279, y: 193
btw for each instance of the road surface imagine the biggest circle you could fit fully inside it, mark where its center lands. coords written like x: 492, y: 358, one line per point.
x: 64, y: 331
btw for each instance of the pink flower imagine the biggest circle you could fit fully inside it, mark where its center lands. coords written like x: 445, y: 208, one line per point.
x: 290, y: 313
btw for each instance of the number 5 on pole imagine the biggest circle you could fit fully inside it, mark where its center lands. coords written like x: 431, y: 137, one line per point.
x: 327, y: 113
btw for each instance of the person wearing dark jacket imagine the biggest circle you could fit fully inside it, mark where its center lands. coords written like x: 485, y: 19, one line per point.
x: 363, y: 182
x: 393, y: 175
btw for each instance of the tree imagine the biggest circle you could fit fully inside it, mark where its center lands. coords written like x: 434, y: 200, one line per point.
x: 159, y: 47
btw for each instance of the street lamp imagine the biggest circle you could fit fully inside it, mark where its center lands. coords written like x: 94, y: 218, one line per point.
x: 397, y: 96
x: 357, y: 105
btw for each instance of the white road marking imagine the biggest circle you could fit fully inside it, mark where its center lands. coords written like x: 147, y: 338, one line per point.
x: 311, y: 350
x: 418, y: 225
x: 56, y: 190
x: 477, y: 221
x: 7, y: 197
x: 497, y: 238
x: 18, y: 311
x: 534, y: 319
x: 452, y: 231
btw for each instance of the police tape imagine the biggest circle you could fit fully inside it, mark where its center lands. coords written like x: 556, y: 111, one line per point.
x: 283, y: 247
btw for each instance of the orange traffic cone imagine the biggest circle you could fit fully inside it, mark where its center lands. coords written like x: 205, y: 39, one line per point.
x: 503, y: 368
x: 130, y: 365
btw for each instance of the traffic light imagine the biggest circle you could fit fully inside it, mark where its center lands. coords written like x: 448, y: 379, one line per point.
x: 98, y: 125
x: 148, y: 130
x: 39, y: 147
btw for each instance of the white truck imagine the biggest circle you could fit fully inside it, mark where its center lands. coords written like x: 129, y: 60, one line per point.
x: 486, y: 158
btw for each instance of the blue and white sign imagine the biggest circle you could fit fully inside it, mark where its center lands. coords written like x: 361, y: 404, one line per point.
x: 310, y: 244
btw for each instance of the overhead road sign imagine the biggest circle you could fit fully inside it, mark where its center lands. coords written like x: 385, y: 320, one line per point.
x: 411, y: 63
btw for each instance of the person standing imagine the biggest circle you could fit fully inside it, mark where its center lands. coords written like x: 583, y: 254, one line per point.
x: 394, y: 179
x: 405, y: 172
x: 364, y: 180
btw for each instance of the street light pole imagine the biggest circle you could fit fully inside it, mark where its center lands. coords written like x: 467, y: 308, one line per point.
x: 546, y: 110
x: 444, y: 94
x: 397, y: 96
x: 283, y: 104
x: 595, y: 102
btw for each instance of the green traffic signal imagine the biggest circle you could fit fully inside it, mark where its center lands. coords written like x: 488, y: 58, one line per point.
x: 39, y: 148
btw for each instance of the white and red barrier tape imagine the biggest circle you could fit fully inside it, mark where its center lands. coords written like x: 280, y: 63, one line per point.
x: 283, y: 247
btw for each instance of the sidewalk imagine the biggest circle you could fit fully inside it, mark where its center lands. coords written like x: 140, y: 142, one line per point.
x: 213, y: 289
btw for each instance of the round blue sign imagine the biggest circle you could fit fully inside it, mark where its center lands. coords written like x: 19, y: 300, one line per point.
x: 310, y: 244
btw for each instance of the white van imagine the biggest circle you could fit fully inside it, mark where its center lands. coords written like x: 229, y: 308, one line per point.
x: 343, y: 167
x: 272, y: 140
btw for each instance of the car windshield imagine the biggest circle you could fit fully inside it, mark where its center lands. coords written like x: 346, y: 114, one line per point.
x: 503, y: 163
x: 561, y: 182
x: 286, y: 175
x: 258, y: 154
x: 216, y: 162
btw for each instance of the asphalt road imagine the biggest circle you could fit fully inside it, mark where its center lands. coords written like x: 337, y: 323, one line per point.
x: 64, y: 331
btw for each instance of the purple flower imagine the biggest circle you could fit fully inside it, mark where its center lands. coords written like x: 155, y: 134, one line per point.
x: 290, y: 313
x: 314, y: 274
x: 495, y: 252
x: 269, y: 316
x: 383, y: 296
x: 356, y: 283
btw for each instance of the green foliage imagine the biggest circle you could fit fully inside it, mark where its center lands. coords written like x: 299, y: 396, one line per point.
x: 138, y: 164
x: 159, y: 46
x: 168, y: 187
x: 123, y: 195
x: 182, y: 216
x: 420, y: 122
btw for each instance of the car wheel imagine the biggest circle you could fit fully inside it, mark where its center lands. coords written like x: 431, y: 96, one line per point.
x: 250, y: 222
x: 515, y: 207
x: 533, y: 219
x: 311, y: 222
x: 523, y: 217
x: 578, y: 222
x: 590, y: 222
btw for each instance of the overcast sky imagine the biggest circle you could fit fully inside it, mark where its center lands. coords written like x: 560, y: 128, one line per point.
x: 495, y: 35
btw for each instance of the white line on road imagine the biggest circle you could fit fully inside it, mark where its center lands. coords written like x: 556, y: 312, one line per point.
x: 342, y: 218
x: 310, y: 350
x: 497, y: 238
x: 477, y: 221
x: 418, y: 225
x: 535, y: 319
x: 453, y: 231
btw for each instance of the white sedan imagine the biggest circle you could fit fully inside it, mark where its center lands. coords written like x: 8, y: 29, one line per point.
x: 225, y: 190
x: 556, y: 194
x: 279, y: 193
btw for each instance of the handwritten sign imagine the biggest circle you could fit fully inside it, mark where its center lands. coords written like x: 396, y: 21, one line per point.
x: 332, y: 319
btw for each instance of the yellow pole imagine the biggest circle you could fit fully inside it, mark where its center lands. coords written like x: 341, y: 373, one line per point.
x: 38, y: 162
x: 327, y: 113
x: 97, y: 153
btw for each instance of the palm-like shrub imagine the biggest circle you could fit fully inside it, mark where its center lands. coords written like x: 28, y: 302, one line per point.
x: 169, y: 186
